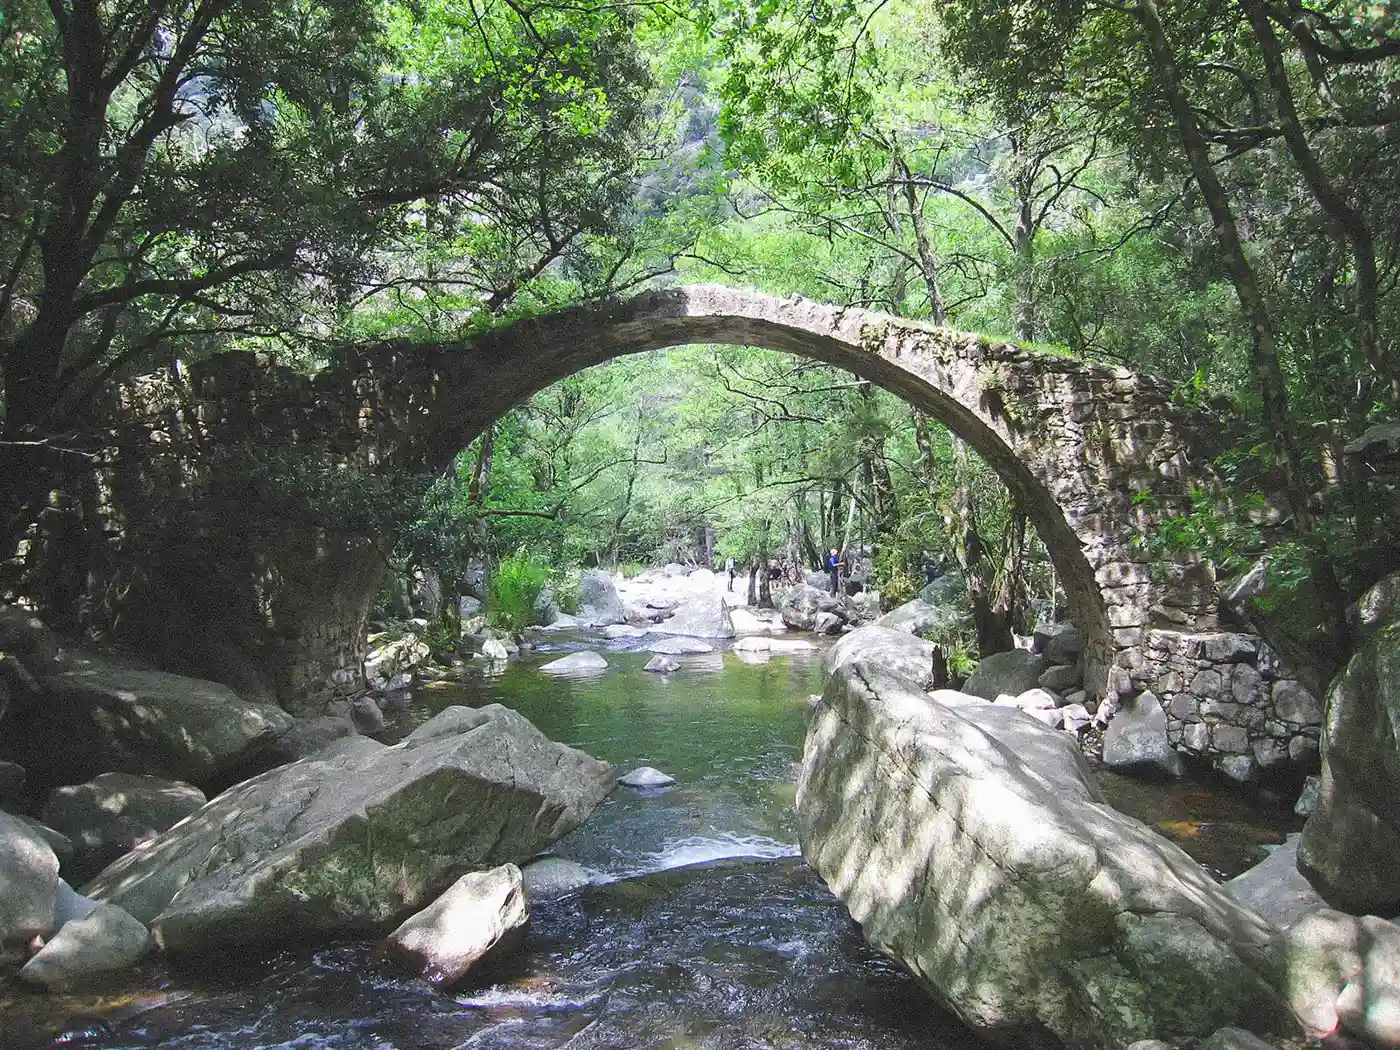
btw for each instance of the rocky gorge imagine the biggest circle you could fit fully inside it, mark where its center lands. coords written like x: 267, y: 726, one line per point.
x: 960, y: 827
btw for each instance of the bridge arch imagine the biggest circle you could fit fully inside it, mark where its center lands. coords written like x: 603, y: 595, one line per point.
x: 1075, y: 442
x: 225, y: 586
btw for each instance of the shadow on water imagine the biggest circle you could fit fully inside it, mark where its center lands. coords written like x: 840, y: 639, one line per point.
x: 703, y: 928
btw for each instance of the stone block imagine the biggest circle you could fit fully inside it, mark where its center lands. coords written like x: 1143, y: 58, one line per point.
x: 1229, y: 739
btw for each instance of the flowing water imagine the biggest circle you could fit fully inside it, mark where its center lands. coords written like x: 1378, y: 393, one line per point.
x: 703, y: 928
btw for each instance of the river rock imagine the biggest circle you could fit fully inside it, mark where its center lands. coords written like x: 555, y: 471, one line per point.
x: 12, y: 777
x: 598, y: 600
x: 1136, y: 738
x: 1075, y: 718
x: 754, y: 643
x: 1060, y: 643
x: 114, y: 813
x: 1275, y: 888
x: 978, y: 852
x: 614, y: 632
x: 98, y: 717
x: 105, y: 941
x: 69, y: 904
x: 1062, y: 679
x: 954, y: 698
x: 1344, y: 971
x: 1308, y: 796
x: 646, y: 777
x: 494, y: 650
x: 575, y: 663
x: 926, y: 619
x: 28, y: 882
x: 802, y: 603
x: 679, y: 646
x: 897, y: 652
x: 1351, y: 842
x: 390, y: 663
x: 827, y: 623
x: 1012, y: 672
x: 60, y: 843
x: 550, y: 878
x: 471, y: 615
x: 310, y: 735
x: 662, y: 665
x: 356, y: 841
x: 700, y: 618
x: 483, y: 914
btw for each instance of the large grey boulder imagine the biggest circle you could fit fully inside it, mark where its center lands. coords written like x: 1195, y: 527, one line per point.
x: 598, y: 600
x: 801, y: 605
x: 1136, y: 738
x: 699, y: 618
x: 104, y: 941
x: 1011, y: 672
x: 978, y: 852
x: 28, y: 882
x: 98, y: 717
x: 1344, y: 972
x: 357, y: 840
x: 114, y: 813
x: 1059, y: 643
x: 896, y: 652
x: 925, y: 619
x: 1351, y: 841
x: 483, y: 914
x: 1275, y: 888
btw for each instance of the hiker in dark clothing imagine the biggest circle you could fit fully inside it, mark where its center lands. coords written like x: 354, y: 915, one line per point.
x: 834, y: 565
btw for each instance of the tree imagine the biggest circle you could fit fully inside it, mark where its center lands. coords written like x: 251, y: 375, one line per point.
x: 182, y: 176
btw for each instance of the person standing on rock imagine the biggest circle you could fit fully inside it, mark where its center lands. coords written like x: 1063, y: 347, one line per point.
x: 729, y: 571
x: 834, y: 565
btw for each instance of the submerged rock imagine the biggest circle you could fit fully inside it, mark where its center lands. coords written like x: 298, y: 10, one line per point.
x: 646, y: 777
x: 483, y: 914
x: 980, y: 854
x: 358, y: 840
x: 552, y: 877
x: 102, y: 942
x: 587, y: 660
x: 679, y: 647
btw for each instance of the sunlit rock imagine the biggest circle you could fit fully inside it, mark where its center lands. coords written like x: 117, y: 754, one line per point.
x: 28, y: 882
x: 662, y: 665
x: 646, y: 777
x: 483, y: 914
x: 1011, y: 672
x: 972, y: 845
x: 104, y: 941
x: 357, y: 840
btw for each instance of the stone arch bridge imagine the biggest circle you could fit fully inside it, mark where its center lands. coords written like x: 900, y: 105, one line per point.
x: 1076, y: 442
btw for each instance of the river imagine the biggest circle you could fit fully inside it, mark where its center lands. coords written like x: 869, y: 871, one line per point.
x: 704, y: 928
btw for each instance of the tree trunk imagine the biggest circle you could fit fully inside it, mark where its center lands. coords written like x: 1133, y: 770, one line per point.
x: 1350, y: 221
x: 480, y: 482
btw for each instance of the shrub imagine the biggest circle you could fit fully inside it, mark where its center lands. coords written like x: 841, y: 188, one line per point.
x: 515, y: 585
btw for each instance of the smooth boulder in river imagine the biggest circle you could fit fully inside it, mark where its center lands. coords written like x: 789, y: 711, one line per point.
x: 360, y: 839
x: 483, y: 914
x: 575, y: 663
x: 972, y: 846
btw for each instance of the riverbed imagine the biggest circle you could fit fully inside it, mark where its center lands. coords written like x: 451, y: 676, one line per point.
x: 703, y: 927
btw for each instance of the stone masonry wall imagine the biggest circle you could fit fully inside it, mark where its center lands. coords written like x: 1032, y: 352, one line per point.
x: 1229, y: 703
